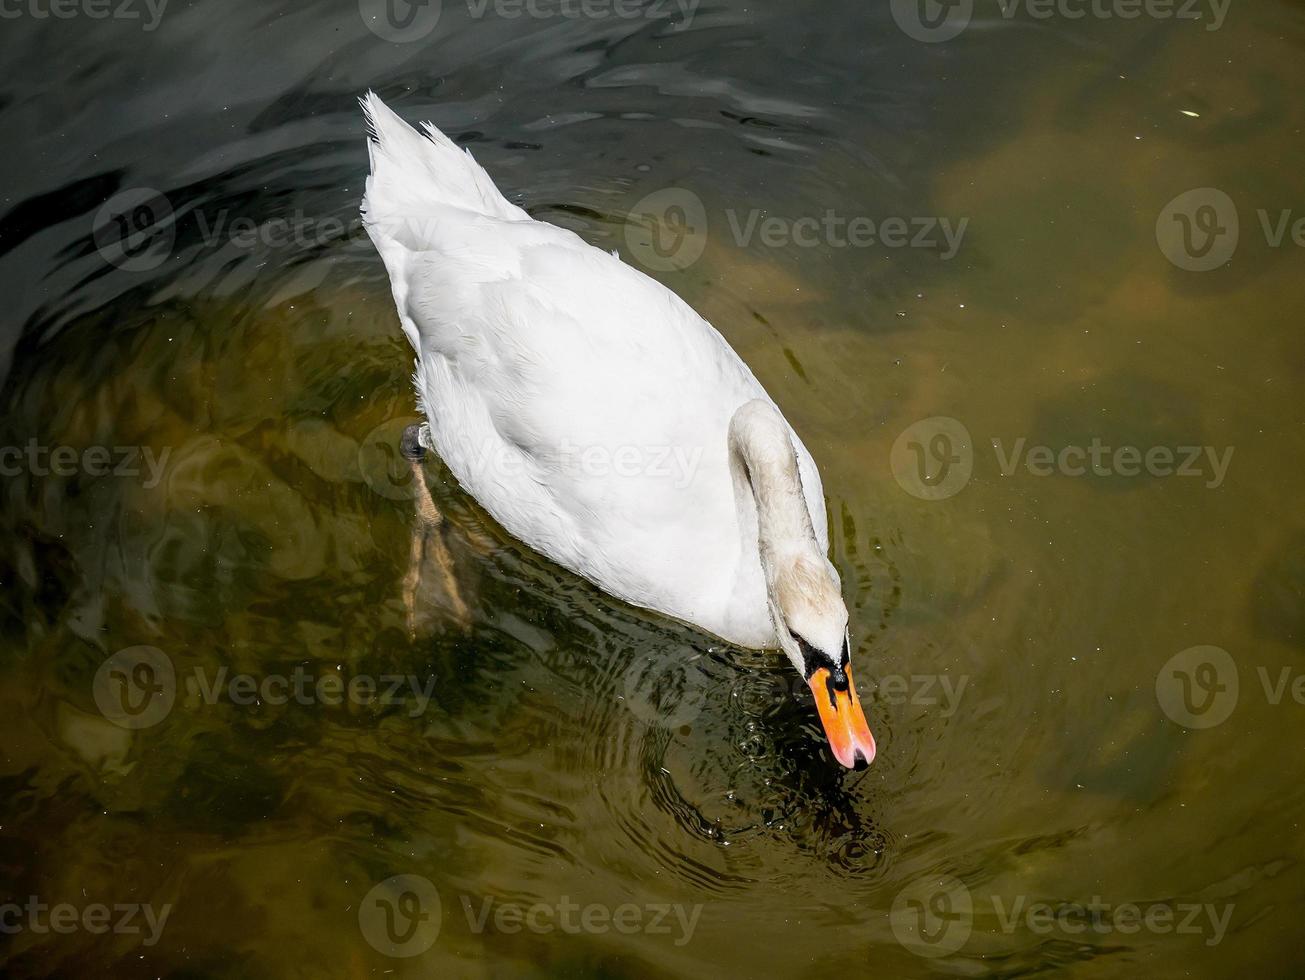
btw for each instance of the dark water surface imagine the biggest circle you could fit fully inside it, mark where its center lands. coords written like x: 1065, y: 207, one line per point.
x: 590, y: 790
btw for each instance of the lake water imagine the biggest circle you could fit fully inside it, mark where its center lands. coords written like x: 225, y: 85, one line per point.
x: 1027, y: 283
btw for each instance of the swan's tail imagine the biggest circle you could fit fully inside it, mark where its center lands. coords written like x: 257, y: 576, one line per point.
x: 415, y: 174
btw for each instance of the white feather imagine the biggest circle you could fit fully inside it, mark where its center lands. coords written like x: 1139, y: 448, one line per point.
x: 534, y: 348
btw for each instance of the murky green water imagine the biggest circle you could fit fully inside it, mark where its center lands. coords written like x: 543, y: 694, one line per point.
x: 581, y: 789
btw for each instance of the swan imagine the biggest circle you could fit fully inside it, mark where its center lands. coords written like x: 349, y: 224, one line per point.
x: 558, y: 384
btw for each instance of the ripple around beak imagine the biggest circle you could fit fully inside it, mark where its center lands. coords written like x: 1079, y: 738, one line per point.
x: 843, y: 719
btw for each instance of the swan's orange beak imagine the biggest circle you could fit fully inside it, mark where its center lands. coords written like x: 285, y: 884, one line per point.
x: 844, y: 721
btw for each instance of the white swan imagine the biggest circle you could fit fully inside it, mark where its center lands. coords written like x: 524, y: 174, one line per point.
x: 603, y: 422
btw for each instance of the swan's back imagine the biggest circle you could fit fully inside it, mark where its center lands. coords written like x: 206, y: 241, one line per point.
x: 535, y: 348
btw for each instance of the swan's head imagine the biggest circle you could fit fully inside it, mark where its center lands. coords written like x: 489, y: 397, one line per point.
x: 802, y: 587
x: 806, y: 604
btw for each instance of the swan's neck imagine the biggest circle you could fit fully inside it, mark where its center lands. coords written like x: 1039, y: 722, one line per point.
x: 772, y: 508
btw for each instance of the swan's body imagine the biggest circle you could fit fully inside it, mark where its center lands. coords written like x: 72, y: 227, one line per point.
x: 594, y: 414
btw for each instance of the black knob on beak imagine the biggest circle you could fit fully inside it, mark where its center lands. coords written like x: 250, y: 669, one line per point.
x: 839, y: 678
